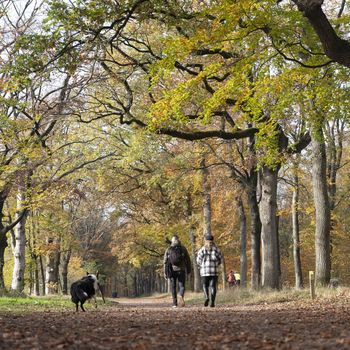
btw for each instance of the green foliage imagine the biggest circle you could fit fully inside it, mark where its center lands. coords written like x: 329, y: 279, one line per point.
x: 91, y: 266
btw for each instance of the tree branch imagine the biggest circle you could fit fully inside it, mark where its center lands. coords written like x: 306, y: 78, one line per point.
x: 200, y: 135
x: 336, y: 48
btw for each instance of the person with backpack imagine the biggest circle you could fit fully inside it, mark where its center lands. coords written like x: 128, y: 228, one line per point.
x: 177, y: 264
x: 209, y: 258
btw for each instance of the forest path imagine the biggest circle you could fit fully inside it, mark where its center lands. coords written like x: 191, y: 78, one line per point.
x: 153, y: 324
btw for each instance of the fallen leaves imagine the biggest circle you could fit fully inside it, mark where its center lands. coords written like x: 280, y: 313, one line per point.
x: 146, y: 326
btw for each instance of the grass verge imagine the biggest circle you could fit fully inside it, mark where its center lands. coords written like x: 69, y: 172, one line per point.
x: 245, y: 296
x: 47, y: 303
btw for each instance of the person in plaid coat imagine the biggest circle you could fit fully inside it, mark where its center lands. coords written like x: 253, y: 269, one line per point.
x: 209, y: 259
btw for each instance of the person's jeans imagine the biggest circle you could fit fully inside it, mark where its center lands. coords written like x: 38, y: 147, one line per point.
x: 210, y: 282
x: 179, y: 276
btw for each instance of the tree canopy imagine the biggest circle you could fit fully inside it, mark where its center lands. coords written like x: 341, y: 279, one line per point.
x: 120, y: 119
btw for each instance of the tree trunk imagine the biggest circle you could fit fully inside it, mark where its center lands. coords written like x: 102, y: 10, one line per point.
x: 32, y: 247
x: 278, y: 250
x: 3, y: 241
x: 243, y: 241
x: 268, y: 210
x: 19, y: 246
x: 64, y: 271
x: 36, y: 277
x: 57, y: 262
x: 136, y: 286
x: 322, y: 232
x: 52, y: 264
x: 255, y: 233
x: 196, y: 274
x: 31, y: 280
x: 3, y: 230
x: 43, y: 281
x: 223, y: 272
x: 206, y: 199
x: 114, y: 286
x: 19, y: 258
x: 3, y: 246
x: 51, y: 286
x: 334, y: 134
x: 295, y: 224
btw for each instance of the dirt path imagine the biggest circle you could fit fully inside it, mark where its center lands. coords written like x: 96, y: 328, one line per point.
x: 150, y: 324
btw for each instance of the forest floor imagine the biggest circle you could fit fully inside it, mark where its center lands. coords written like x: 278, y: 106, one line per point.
x: 151, y: 323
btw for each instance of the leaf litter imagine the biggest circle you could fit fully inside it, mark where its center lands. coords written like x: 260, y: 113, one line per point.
x: 143, y: 326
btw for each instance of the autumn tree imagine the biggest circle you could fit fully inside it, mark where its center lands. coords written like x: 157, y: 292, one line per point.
x: 244, y: 63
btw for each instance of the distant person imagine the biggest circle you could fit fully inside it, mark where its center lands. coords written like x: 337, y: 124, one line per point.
x: 209, y: 258
x: 177, y: 264
x: 238, y: 278
x: 231, y: 279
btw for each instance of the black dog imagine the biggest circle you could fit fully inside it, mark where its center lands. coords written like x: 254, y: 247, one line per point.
x: 85, y: 289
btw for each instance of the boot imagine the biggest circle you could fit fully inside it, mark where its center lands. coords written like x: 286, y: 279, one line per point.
x: 212, y: 300
x: 206, y: 295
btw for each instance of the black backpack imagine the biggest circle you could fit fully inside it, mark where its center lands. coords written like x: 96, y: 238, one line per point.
x: 176, y: 255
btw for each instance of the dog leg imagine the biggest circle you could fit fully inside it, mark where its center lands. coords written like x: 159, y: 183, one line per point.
x: 95, y: 301
x: 82, y: 307
x: 76, y: 307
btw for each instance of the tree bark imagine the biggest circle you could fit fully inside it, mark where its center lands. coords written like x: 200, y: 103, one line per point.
x: 3, y: 246
x: 322, y: 232
x: 3, y: 231
x: 32, y: 247
x: 126, y: 293
x: 243, y: 241
x: 268, y: 210
x: 278, y: 250
x: 42, y: 270
x: 31, y: 280
x: 334, y: 133
x: 255, y: 234
x: 295, y: 225
x: 196, y: 274
x: 223, y: 273
x: 19, y: 246
x: 206, y: 199
x: 52, y: 263
x: 64, y: 271
x: 36, y: 277
x: 136, y: 284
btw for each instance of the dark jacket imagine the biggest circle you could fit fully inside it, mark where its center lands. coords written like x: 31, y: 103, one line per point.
x: 186, y: 262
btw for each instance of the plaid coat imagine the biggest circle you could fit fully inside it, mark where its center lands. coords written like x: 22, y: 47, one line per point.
x: 209, y: 260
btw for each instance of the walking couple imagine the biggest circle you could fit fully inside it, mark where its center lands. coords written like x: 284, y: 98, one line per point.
x: 177, y: 265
